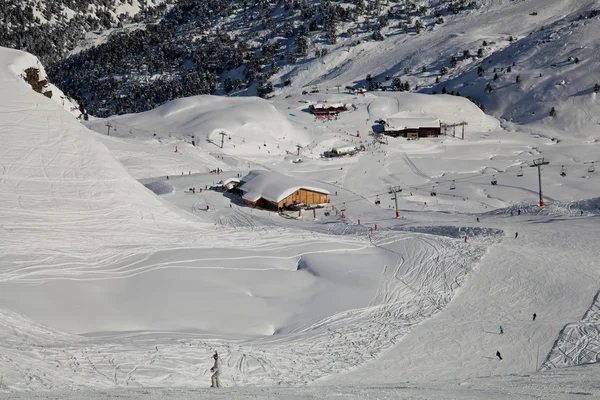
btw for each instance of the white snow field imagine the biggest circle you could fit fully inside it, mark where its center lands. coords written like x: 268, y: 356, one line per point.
x: 118, y: 281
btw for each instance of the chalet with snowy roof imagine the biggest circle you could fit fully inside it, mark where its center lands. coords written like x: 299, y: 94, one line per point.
x: 328, y: 109
x: 341, y: 150
x: 412, y: 127
x: 270, y: 190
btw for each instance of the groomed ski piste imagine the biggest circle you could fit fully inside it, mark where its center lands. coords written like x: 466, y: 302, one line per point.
x: 116, y: 281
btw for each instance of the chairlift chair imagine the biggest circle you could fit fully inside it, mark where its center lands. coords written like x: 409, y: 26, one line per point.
x: 343, y: 207
x: 591, y: 168
x: 453, y: 185
x: 433, y: 193
x: 377, y: 201
x: 520, y: 173
x: 494, y: 180
x: 563, y: 171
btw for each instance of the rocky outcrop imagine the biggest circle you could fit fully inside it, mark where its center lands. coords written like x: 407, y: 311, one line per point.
x: 32, y: 76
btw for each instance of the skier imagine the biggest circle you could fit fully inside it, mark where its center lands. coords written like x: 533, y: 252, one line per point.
x: 516, y: 235
x: 534, y: 315
x: 501, y: 330
x: 477, y: 219
x: 216, y: 370
x: 519, y: 212
x: 465, y: 239
x: 511, y: 213
x: 498, y: 355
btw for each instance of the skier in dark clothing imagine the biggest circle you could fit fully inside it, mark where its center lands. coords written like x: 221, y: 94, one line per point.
x: 516, y: 235
x: 498, y: 355
x: 534, y: 315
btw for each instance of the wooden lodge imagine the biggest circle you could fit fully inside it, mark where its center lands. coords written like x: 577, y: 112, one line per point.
x: 340, y: 151
x: 273, y: 191
x: 308, y: 197
x: 328, y: 109
x: 412, y: 128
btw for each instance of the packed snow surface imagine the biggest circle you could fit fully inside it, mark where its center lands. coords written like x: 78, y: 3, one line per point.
x: 115, y: 275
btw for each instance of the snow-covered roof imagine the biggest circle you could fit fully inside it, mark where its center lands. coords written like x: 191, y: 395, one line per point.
x: 411, y: 123
x: 332, y: 105
x: 344, y: 149
x: 272, y: 186
x: 230, y: 180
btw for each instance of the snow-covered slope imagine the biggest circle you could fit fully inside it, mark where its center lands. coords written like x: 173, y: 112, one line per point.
x: 245, y: 126
x: 156, y: 280
x: 537, y: 36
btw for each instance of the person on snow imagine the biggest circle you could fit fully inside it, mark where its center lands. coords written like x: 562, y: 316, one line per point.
x: 498, y: 355
x: 516, y: 235
x: 501, y: 330
x: 216, y: 370
x: 534, y: 315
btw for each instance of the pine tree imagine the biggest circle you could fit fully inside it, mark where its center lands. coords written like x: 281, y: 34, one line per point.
x: 418, y: 26
x: 453, y: 61
x: 228, y: 85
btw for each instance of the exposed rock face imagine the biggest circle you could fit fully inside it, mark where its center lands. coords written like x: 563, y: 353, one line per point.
x: 32, y: 76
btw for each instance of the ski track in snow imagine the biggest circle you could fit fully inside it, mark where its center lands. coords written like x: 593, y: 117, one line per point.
x: 71, y: 214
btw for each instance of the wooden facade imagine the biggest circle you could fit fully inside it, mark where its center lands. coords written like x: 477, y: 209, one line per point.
x: 331, y: 110
x: 301, y: 196
x: 414, y: 133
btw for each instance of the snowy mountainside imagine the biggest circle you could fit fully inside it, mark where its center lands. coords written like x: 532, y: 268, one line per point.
x: 94, y: 252
x: 50, y: 29
x: 280, y: 48
x: 538, y: 36
x: 20, y: 62
x: 148, y: 284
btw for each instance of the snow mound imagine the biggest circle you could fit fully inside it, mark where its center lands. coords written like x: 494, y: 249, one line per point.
x: 248, y: 124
